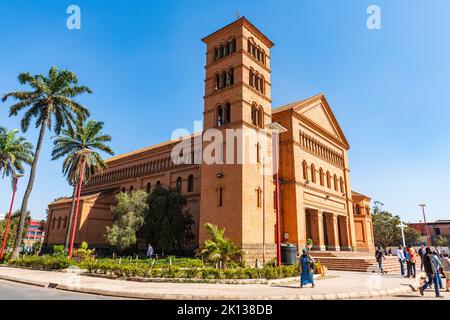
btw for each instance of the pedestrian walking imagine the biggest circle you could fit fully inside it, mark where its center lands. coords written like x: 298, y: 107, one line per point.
x: 401, y: 259
x: 150, y: 251
x: 379, y: 256
x: 438, y: 267
x: 306, y: 267
x: 446, y: 270
x: 430, y: 270
x: 421, y: 252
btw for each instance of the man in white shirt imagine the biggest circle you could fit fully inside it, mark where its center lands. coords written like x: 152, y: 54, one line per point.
x: 401, y: 259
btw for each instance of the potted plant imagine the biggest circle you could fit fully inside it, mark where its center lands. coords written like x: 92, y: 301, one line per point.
x: 309, y: 243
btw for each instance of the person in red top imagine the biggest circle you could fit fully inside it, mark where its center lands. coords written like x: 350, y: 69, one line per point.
x: 411, y: 263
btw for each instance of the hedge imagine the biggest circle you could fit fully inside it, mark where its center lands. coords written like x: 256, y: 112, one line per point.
x: 145, y: 269
x: 43, y: 262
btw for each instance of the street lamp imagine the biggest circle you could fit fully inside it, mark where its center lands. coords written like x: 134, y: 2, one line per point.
x: 16, y: 177
x: 277, y: 129
x: 425, y: 221
x: 83, y: 153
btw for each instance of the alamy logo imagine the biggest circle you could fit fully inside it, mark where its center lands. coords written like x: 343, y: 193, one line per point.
x: 374, y: 19
x: 226, y: 146
x: 73, y: 22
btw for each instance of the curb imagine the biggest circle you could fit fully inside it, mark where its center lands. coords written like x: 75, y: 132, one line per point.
x: 160, y: 296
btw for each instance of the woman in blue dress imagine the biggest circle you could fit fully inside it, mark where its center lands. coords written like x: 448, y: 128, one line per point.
x: 306, y: 264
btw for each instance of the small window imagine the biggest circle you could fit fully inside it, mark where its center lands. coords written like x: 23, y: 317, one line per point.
x: 131, y: 189
x: 65, y: 223
x: 335, y: 180
x: 158, y: 183
x: 123, y: 189
x: 313, y: 173
x: 258, y: 153
x: 341, y: 184
x: 305, y: 170
x: 328, y: 180
x: 258, y: 197
x: 59, y: 222
x: 191, y: 183
x: 220, y: 197
x: 179, y: 183
x: 149, y: 187
x: 322, y: 183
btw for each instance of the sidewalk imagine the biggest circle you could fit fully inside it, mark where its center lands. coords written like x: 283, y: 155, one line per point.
x: 339, y: 285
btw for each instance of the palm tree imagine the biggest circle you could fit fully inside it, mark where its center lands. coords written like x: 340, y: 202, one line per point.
x: 15, y: 151
x: 219, y: 247
x: 51, y: 102
x: 87, y: 135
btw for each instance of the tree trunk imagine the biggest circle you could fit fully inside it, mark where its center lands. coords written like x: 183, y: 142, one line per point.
x: 69, y: 226
x: 26, y: 197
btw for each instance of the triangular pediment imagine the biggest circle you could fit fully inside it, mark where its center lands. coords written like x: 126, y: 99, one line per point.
x: 316, y: 113
x: 319, y: 115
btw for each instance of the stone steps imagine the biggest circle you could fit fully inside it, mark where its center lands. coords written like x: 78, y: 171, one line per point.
x: 361, y: 264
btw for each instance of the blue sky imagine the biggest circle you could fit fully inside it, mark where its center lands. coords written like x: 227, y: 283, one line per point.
x: 144, y: 61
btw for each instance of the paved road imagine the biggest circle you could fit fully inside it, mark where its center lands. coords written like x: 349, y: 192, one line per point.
x: 429, y: 295
x: 16, y: 291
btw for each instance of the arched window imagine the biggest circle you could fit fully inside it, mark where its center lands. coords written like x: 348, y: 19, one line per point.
x: 233, y: 46
x: 313, y: 173
x: 65, y: 222
x: 59, y: 222
x: 179, y: 183
x: 223, y: 114
x: 305, y: 170
x: 328, y: 180
x: 219, y: 116
x: 250, y: 78
x: 123, y: 189
x: 341, y: 184
x: 149, y: 187
x: 53, y: 222
x: 158, y: 183
x: 226, y: 49
x: 131, y: 188
x: 255, y: 116
x: 335, y: 180
x: 217, y: 82
x: 191, y: 183
x: 356, y: 209
x: 322, y: 183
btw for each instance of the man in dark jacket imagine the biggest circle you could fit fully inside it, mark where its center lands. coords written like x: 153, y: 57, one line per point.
x: 430, y: 271
x: 379, y: 256
x: 421, y: 253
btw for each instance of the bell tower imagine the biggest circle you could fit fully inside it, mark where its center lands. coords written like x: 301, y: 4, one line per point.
x: 239, y: 195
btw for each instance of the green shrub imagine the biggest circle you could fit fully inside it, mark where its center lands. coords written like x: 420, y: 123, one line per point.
x: 83, y: 253
x: 58, y: 250
x: 44, y: 262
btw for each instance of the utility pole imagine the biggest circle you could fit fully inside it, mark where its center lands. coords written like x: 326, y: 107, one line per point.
x: 425, y: 222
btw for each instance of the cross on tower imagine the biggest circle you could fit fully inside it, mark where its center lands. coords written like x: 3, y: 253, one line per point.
x: 402, y: 227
